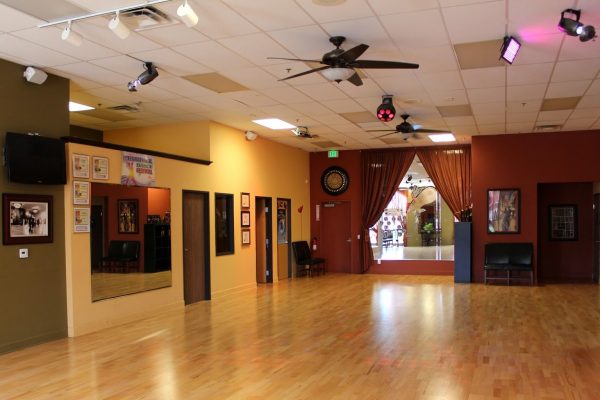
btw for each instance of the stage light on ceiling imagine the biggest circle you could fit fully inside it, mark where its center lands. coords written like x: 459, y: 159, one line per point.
x: 118, y: 27
x: 509, y: 50
x: 187, y: 14
x: 337, y: 74
x: 386, y: 111
x: 144, y: 78
x: 573, y: 27
x: 71, y: 37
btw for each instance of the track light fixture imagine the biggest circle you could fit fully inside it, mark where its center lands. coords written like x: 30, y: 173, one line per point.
x: 509, y: 50
x: 118, y: 27
x: 386, y: 111
x: 71, y: 37
x: 144, y: 78
x: 187, y: 14
x: 573, y: 27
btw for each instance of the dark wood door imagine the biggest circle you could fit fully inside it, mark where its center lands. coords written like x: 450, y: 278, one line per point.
x: 336, y: 240
x: 196, y: 261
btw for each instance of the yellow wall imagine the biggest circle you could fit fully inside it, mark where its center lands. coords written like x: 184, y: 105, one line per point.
x: 261, y: 167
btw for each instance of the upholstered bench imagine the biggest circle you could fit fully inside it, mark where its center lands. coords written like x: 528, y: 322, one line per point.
x: 503, y: 258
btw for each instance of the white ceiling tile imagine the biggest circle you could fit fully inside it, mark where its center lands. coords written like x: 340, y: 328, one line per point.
x: 188, y: 105
x: 486, y: 22
x: 458, y: 121
x: 333, y: 119
x: 525, y: 92
x: 311, y: 108
x: 253, y: 78
x: 484, y: 77
x: 151, y: 92
x: 574, y: 49
x: 181, y: 86
x: 96, y: 30
x: 537, y: 49
x: 435, y: 81
x: 492, y: 129
x: 368, y: 88
x: 408, y: 30
x: 251, y: 98
x: 594, y: 87
x: 520, y: 127
x: 306, y: 42
x: 576, y: 70
x: 488, y: 108
x: 286, y: 95
x: 172, y: 62
x: 122, y: 65
x: 582, y: 113
x: 271, y: 14
x: 351, y: 9
x: 589, y: 101
x: 524, y: 106
x: 490, y: 119
x: 384, y: 7
x: 535, y: 17
x: 365, y: 30
x: 557, y: 117
x: 487, y: 95
x: 174, y: 35
x: 257, y: 48
x: 282, y: 71
x: 35, y: 55
x: 212, y: 55
x: 578, y: 124
x: 529, y: 74
x: 343, y: 105
x: 96, y: 73
x: 449, y: 97
x: 14, y: 20
x: 323, y: 91
x: 431, y: 59
x: 567, y: 89
x: 521, y: 117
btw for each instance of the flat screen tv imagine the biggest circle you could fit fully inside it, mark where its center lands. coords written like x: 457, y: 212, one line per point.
x: 35, y: 159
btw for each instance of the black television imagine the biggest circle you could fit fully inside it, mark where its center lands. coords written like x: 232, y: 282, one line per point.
x: 35, y: 159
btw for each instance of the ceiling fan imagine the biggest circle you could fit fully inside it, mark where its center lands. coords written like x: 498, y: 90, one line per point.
x: 339, y: 64
x: 406, y: 129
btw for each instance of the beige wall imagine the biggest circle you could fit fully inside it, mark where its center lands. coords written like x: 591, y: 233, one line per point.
x: 262, y: 168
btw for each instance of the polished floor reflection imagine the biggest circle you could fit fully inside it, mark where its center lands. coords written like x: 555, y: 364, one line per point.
x: 108, y: 285
x: 414, y: 253
x: 335, y: 337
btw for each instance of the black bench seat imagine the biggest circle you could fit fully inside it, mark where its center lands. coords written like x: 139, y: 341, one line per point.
x: 508, y: 257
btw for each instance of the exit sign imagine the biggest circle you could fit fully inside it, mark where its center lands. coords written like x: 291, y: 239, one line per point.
x: 333, y: 154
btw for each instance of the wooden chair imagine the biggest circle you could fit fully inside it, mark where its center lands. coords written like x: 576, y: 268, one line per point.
x: 304, y: 259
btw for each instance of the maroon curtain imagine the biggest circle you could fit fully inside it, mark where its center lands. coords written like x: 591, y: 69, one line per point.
x: 382, y: 172
x: 450, y: 171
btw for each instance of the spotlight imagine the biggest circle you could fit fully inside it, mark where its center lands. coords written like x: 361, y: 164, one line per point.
x: 133, y: 85
x: 386, y: 111
x: 118, y: 27
x: 35, y: 75
x: 187, y: 14
x: 573, y: 27
x: 509, y: 50
x: 144, y: 78
x: 71, y: 37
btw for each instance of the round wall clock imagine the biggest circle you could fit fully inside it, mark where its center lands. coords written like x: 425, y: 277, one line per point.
x: 335, y: 180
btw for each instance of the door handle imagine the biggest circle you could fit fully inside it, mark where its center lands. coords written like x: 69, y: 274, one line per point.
x: 349, y: 240
x: 185, y: 250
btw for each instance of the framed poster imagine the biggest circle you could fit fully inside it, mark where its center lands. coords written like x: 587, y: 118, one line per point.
x: 81, y: 166
x: 245, y: 236
x: 81, y: 192
x: 563, y: 222
x: 100, y: 168
x: 245, y: 219
x: 137, y: 169
x: 245, y: 200
x: 81, y: 219
x: 26, y: 218
x: 504, y: 214
x: 128, y: 215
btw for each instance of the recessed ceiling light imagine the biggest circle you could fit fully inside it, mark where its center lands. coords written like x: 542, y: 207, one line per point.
x: 328, y: 2
x: 78, y: 107
x: 274, y: 123
x: 442, y: 137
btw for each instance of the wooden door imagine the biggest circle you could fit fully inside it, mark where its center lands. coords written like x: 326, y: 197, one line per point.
x: 336, y: 239
x: 264, y: 247
x: 196, y: 261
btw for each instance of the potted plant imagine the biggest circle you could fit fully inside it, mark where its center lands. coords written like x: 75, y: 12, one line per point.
x: 426, y: 232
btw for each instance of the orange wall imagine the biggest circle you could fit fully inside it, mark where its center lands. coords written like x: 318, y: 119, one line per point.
x: 523, y: 161
x: 159, y: 201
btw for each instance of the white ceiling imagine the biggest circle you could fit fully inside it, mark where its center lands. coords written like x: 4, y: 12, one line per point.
x: 235, y: 37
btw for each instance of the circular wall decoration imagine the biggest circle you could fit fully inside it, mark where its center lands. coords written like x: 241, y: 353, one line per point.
x: 335, y: 180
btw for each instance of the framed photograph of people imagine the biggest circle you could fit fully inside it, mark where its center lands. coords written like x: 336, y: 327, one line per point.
x: 128, y: 215
x: 504, y: 211
x: 26, y: 219
x: 81, y: 166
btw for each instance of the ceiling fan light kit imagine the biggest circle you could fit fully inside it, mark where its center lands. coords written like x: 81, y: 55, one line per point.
x: 337, y: 74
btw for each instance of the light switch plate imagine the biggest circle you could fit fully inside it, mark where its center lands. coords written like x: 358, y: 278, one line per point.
x: 23, y: 253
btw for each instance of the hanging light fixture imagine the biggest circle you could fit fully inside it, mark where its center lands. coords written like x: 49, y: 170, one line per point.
x: 71, y: 37
x: 337, y: 74
x: 187, y: 14
x: 118, y: 27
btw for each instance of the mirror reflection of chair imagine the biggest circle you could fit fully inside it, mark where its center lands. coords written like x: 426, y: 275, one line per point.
x: 122, y: 256
x: 305, y: 260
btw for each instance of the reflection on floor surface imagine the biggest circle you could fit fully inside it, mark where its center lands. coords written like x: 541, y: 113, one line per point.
x: 414, y: 253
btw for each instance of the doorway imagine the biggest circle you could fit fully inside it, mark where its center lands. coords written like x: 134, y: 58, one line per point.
x: 264, y: 239
x: 284, y: 254
x: 97, y: 231
x: 336, y: 236
x: 196, y: 242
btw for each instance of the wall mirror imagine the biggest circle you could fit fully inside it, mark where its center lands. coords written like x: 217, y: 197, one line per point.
x: 130, y: 239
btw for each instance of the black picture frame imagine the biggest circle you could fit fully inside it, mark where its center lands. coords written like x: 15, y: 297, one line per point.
x: 563, y: 222
x: 27, y: 218
x: 128, y: 216
x: 245, y: 219
x: 503, y: 211
x: 224, y: 240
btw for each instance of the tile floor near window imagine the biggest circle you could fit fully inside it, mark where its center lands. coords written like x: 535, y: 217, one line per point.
x: 335, y: 337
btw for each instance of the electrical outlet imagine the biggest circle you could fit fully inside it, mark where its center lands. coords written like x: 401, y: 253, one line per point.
x: 23, y: 253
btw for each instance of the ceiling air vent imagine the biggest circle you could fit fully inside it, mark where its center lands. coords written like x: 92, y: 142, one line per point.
x: 125, y: 108
x: 147, y: 17
x: 546, y: 128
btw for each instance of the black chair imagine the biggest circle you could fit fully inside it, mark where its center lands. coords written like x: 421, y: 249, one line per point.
x: 122, y: 255
x: 303, y: 259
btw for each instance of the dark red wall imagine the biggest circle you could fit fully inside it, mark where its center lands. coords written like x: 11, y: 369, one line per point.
x: 566, y: 260
x: 524, y: 161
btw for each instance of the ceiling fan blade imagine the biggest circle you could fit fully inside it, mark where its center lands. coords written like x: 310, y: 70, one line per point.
x: 355, y: 80
x: 430, y: 131
x: 294, y: 59
x: 381, y: 130
x: 383, y: 64
x: 310, y: 71
x: 387, y: 134
x: 353, y: 53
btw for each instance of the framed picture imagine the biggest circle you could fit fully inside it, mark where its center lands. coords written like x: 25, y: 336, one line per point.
x: 81, y: 220
x: 504, y: 211
x: 245, y: 236
x: 245, y: 200
x: 100, y: 168
x: 563, y: 222
x: 81, y: 166
x: 81, y: 192
x: 128, y: 215
x: 26, y: 218
x: 246, y: 219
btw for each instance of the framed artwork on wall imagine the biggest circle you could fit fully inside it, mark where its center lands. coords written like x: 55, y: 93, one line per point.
x: 26, y: 218
x: 245, y: 219
x: 128, y: 215
x: 100, y: 168
x: 563, y: 223
x: 504, y: 211
x: 81, y: 166
x: 245, y: 236
x: 81, y: 220
x: 245, y: 200
x: 81, y: 192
